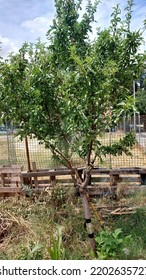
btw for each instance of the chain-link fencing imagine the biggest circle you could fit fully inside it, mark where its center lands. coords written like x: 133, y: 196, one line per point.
x: 15, y: 151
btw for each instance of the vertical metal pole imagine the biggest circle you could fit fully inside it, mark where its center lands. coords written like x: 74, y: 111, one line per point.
x: 134, y: 114
x: 27, y: 154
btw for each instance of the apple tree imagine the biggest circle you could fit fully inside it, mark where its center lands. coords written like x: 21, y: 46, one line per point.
x: 69, y: 91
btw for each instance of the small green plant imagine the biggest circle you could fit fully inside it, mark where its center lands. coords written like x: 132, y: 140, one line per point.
x: 58, y: 196
x: 33, y: 252
x: 27, y: 189
x: 111, y: 244
x: 57, y: 251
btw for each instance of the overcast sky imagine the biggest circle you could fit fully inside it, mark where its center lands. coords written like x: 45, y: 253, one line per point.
x: 26, y: 20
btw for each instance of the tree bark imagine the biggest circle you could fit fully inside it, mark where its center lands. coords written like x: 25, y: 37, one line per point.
x: 82, y: 186
x: 88, y: 222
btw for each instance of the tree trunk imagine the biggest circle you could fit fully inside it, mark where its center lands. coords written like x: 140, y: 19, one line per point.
x: 88, y: 223
x: 82, y: 186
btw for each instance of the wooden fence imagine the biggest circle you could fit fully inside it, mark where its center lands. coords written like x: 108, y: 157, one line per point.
x: 10, y: 180
x: 103, y: 180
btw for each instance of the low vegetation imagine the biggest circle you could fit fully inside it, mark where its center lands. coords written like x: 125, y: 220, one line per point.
x: 52, y: 228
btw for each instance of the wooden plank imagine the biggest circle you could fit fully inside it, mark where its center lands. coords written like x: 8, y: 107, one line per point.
x: 49, y: 172
x: 96, y: 190
x: 35, y: 177
x: 12, y: 170
x: 41, y: 181
x: 122, y: 179
x: 43, y: 186
x: 115, y: 171
x: 65, y: 180
x: 3, y: 180
x: 45, y: 173
x: 10, y: 190
x: 60, y: 168
x: 10, y: 166
x: 10, y: 176
x: 7, y: 181
x: 95, y: 181
x: 129, y: 170
x: 99, y: 171
x: 11, y: 181
x: 100, y: 179
x: 93, y: 191
x: 93, y: 171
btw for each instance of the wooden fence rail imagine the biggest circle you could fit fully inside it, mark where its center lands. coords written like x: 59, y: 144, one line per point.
x: 13, y: 178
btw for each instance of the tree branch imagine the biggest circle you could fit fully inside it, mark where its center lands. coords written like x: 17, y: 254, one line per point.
x: 89, y: 153
x: 63, y: 156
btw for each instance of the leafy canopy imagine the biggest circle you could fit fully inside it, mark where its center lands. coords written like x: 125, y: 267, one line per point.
x: 67, y: 93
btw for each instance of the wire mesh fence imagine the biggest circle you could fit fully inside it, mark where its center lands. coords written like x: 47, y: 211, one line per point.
x: 13, y: 150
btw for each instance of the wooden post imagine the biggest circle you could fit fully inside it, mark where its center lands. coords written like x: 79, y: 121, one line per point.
x: 3, y: 179
x: 115, y: 178
x: 52, y: 180
x: 27, y: 154
x: 35, y: 177
x: 143, y: 179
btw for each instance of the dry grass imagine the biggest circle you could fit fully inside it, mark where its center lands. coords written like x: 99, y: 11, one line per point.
x: 3, y: 149
x: 24, y: 222
x: 35, y: 222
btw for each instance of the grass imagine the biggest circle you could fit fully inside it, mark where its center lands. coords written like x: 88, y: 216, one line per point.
x: 133, y: 224
x: 136, y: 227
x: 35, y: 222
x: 27, y: 226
